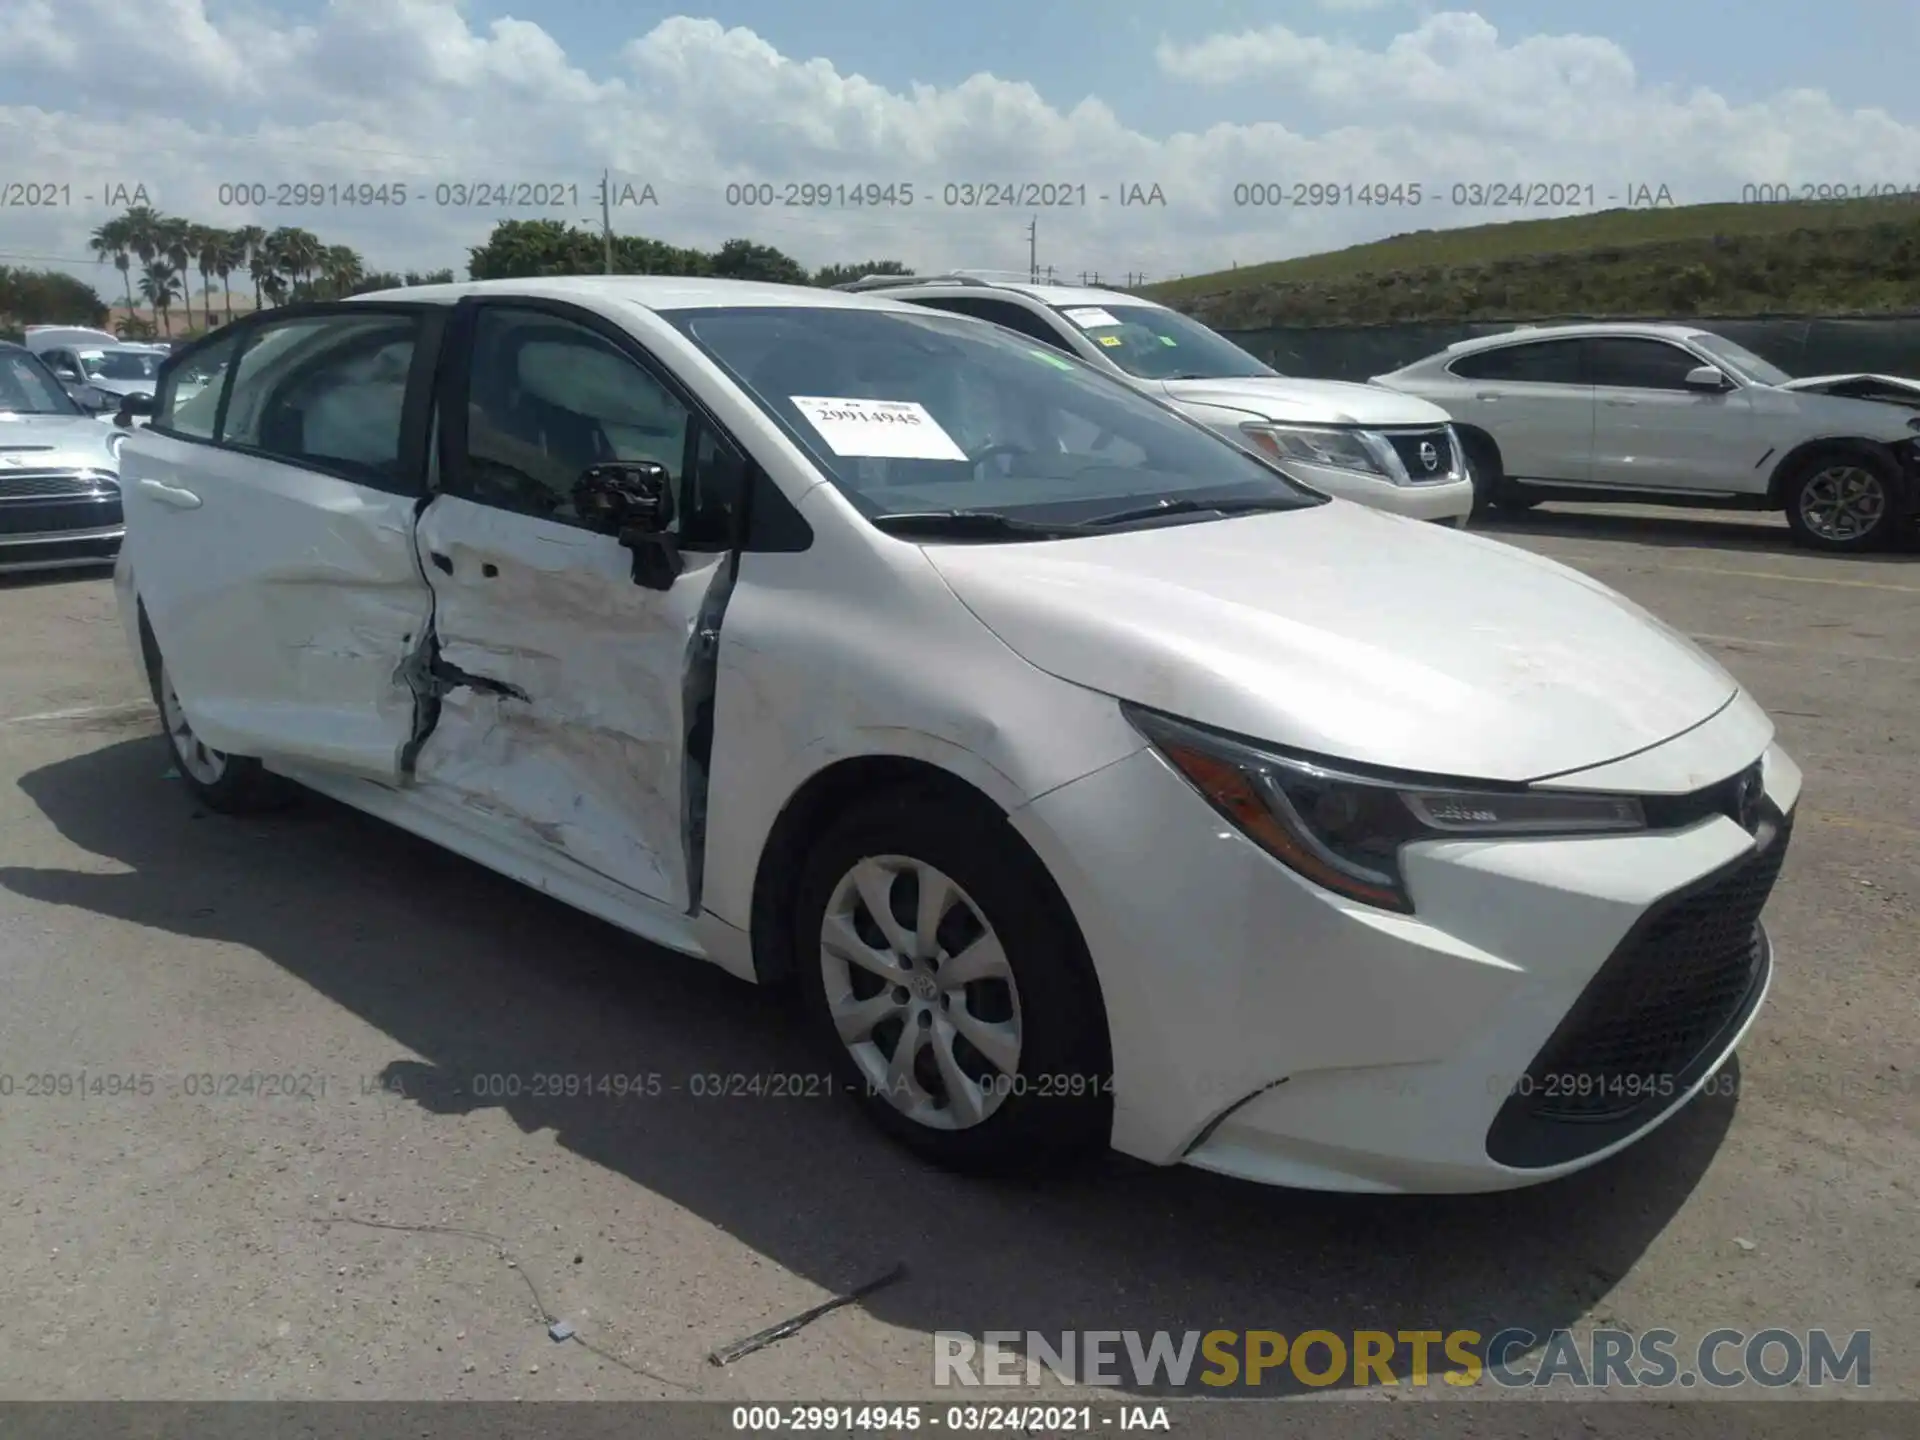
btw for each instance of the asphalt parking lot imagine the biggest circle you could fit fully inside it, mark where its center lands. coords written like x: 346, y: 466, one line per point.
x: 384, y: 1232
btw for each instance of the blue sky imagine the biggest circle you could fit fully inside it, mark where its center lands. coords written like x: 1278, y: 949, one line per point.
x: 1703, y: 98
x: 1863, y: 51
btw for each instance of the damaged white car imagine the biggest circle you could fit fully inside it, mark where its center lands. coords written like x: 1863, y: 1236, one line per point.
x: 1097, y: 783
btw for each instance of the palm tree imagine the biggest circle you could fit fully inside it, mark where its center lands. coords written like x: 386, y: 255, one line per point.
x: 251, y: 241
x: 109, y: 242
x: 229, y: 255
x: 296, y: 252
x: 176, y: 245
x: 342, y: 269
x: 207, y: 242
x: 160, y: 287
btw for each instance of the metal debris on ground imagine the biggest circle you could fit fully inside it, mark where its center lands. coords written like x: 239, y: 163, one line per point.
x: 773, y: 1334
x: 560, y: 1330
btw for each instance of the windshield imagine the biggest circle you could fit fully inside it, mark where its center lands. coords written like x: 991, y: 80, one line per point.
x: 1158, y: 344
x: 911, y: 412
x: 120, y: 364
x: 1741, y: 360
x: 28, y: 388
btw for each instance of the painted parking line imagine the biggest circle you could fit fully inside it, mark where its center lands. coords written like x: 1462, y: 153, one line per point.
x: 1743, y: 642
x: 81, y: 712
x: 1652, y: 564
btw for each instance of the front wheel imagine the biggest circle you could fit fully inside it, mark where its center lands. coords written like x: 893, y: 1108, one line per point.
x: 1842, y: 501
x: 950, y: 989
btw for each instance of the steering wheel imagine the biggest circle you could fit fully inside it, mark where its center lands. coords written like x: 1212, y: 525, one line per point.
x: 987, y: 452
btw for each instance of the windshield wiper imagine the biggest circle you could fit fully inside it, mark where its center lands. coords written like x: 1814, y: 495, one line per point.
x: 974, y: 525
x: 1192, y: 507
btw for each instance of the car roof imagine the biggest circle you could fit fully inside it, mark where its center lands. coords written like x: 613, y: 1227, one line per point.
x: 647, y: 292
x: 1059, y: 296
x: 1632, y: 329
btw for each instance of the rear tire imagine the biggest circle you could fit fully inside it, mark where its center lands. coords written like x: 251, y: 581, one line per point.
x: 228, y: 784
x: 970, y: 1027
x: 1843, y: 501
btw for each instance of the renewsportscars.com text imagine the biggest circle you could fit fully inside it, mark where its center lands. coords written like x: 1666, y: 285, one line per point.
x: 1515, y: 1358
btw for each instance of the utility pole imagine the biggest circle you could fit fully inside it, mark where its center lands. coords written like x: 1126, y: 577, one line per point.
x: 1033, y: 251
x: 606, y: 219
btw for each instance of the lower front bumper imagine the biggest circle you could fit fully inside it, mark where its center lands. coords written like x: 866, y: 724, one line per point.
x: 1267, y: 1029
x: 60, y: 549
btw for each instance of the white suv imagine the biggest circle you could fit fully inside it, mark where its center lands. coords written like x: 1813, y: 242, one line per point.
x: 1673, y: 415
x: 1358, y: 442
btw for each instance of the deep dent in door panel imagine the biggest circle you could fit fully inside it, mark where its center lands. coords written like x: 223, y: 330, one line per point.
x: 541, y: 724
x: 701, y: 672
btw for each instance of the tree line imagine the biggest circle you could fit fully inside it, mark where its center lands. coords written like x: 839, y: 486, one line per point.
x: 157, y: 256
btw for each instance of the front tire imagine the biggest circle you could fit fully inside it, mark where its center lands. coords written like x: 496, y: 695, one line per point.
x: 944, y: 979
x: 1842, y: 501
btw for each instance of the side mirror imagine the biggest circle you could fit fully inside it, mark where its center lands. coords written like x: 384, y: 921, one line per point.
x: 135, y: 405
x: 633, y: 500
x: 1708, y: 377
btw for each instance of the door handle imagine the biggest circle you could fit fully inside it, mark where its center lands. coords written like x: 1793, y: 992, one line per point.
x: 1623, y: 404
x: 1486, y: 395
x: 174, y: 495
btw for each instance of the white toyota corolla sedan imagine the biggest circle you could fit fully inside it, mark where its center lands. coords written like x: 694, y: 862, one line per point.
x: 1093, y: 782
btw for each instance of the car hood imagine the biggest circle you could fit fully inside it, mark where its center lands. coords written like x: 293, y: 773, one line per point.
x: 1896, y: 389
x: 55, y: 442
x: 1312, y: 402
x: 1352, y: 634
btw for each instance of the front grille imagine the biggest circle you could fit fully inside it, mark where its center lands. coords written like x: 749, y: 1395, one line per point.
x: 42, y: 484
x: 1657, y: 1013
x: 1407, y: 445
x: 51, y: 517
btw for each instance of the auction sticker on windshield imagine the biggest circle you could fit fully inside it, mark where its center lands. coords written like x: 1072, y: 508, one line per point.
x: 878, y: 429
x: 1091, y: 318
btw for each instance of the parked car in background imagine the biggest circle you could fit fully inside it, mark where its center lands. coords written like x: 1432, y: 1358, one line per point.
x: 1673, y: 414
x: 1087, y: 775
x: 1359, y: 442
x: 101, y: 376
x: 43, y: 337
x: 59, y: 468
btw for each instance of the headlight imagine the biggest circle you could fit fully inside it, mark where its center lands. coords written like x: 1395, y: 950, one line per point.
x: 1344, y: 829
x: 1337, y: 449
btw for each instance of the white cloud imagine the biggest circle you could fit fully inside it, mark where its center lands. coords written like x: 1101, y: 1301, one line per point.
x: 410, y: 91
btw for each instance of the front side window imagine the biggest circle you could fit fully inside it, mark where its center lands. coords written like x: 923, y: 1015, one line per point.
x: 1628, y: 363
x: 918, y: 412
x: 28, y: 388
x: 325, y: 390
x: 1152, y: 343
x: 549, y: 398
x: 189, y: 397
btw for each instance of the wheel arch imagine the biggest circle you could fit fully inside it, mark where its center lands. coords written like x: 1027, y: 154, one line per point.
x: 1790, y: 464
x: 823, y: 797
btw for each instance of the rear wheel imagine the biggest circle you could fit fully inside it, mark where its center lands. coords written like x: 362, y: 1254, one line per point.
x: 949, y: 988
x: 1842, y: 500
x: 230, y: 784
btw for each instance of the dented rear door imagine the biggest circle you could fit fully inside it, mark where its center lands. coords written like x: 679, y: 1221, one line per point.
x: 270, y: 531
x: 570, y: 697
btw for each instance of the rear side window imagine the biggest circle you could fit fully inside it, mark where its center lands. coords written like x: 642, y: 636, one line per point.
x: 189, y: 392
x: 1550, y: 362
x: 328, y: 391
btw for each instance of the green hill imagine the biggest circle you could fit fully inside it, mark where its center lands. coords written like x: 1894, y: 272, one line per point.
x: 1823, y: 258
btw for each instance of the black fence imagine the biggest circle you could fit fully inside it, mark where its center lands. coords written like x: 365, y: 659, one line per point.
x: 1880, y: 344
